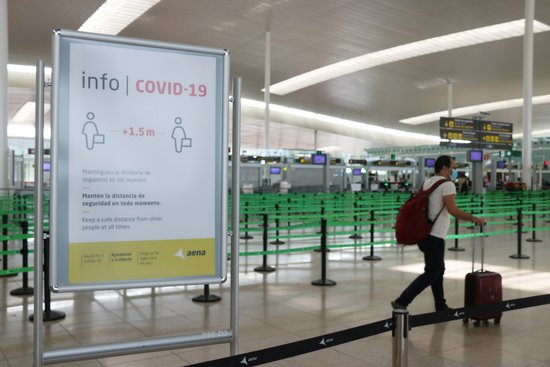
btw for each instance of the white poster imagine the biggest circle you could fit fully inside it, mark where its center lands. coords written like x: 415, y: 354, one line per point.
x: 141, y: 163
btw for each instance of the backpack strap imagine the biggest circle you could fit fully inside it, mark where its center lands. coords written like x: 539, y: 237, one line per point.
x: 432, y: 189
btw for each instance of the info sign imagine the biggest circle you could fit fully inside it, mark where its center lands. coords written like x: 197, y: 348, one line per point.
x: 475, y: 133
x: 139, y: 163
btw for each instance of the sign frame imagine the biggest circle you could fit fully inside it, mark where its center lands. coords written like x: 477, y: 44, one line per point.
x: 483, y: 134
x: 61, y: 96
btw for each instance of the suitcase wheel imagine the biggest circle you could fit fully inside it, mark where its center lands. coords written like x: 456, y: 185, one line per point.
x: 465, y: 320
x: 497, y: 320
x: 476, y: 323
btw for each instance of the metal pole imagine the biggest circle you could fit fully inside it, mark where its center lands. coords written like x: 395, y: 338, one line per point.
x: 534, y: 225
x: 267, y: 82
x: 4, y: 182
x: 456, y: 248
x: 323, y: 281
x: 371, y: 256
x: 449, y: 98
x: 38, y: 217
x: 235, y: 201
x: 400, y: 338
x: 527, y: 93
x: 519, y: 255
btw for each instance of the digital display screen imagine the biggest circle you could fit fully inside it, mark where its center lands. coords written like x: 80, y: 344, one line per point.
x: 475, y: 156
x: 501, y: 164
x: 429, y: 162
x: 357, y: 171
x: 319, y: 158
x: 275, y: 170
x: 46, y: 166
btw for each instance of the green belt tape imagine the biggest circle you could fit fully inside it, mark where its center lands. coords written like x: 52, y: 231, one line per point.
x: 16, y: 237
x: 16, y: 271
x: 311, y: 235
x: 14, y: 252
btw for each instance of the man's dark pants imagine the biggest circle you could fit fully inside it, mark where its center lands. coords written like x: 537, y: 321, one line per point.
x: 434, y: 253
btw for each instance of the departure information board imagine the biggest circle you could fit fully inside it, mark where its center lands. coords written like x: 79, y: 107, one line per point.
x: 456, y: 132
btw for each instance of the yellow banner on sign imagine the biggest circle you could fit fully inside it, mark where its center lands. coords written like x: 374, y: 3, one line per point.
x: 134, y: 260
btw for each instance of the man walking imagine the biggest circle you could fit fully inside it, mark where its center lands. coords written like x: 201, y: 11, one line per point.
x: 442, y: 205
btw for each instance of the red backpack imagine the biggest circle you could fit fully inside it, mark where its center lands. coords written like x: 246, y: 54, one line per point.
x: 413, y: 225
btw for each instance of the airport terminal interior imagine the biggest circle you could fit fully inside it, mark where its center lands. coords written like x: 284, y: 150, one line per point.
x: 344, y: 107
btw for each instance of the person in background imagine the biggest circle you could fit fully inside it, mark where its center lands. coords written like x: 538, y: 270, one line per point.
x: 441, y: 205
x: 462, y: 183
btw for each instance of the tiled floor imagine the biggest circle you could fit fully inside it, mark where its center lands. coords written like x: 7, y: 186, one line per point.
x: 282, y: 306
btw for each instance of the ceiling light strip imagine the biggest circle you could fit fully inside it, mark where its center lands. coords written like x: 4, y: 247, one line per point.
x: 338, y: 121
x: 26, y: 69
x: 437, y: 44
x: 115, y: 15
x: 471, y: 110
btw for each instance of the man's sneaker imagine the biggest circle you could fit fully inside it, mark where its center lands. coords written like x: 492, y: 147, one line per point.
x: 444, y: 308
x: 397, y: 306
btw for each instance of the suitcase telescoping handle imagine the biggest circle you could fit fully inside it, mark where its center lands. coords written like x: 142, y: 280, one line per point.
x: 482, y: 240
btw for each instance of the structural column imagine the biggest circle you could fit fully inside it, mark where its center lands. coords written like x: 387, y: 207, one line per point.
x: 527, y: 161
x: 4, y: 94
x: 267, y: 83
x: 449, y: 98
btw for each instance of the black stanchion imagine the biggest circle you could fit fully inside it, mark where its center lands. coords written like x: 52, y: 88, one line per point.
x: 246, y: 235
x: 25, y: 290
x: 288, y: 211
x: 321, y: 231
x: 277, y: 240
x: 456, y: 248
x: 264, y: 268
x: 371, y: 257
x: 534, y: 225
x: 519, y: 255
x: 5, y: 247
x: 522, y: 224
x: 206, y: 297
x: 355, y: 236
x: 323, y: 280
x: 48, y: 314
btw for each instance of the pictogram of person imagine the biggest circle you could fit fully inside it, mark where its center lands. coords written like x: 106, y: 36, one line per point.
x: 180, y: 138
x: 91, y: 132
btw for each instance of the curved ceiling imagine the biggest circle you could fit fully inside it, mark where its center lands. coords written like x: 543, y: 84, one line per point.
x: 306, y: 35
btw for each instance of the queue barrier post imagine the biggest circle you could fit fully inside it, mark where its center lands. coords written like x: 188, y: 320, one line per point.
x: 323, y: 281
x: 206, y: 297
x: 277, y: 240
x: 48, y: 314
x: 456, y: 247
x: 400, y: 335
x: 25, y: 290
x: 355, y: 235
x: 264, y: 268
x: 372, y: 257
x: 246, y: 235
x: 5, y: 247
x: 534, y: 225
x: 519, y: 255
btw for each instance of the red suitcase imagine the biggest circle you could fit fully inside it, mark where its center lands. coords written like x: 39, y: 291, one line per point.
x: 482, y: 287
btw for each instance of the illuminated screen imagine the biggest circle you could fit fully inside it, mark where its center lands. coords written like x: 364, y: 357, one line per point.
x: 319, y: 158
x: 46, y: 166
x: 475, y: 156
x: 357, y: 171
x: 501, y: 164
x: 429, y: 162
x: 275, y: 170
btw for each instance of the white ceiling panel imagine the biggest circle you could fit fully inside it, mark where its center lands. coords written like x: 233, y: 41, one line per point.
x: 309, y: 34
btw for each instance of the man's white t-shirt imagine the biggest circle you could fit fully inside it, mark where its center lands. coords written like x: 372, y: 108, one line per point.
x: 441, y: 226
